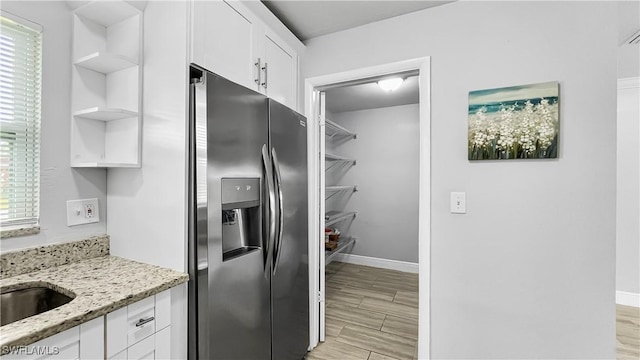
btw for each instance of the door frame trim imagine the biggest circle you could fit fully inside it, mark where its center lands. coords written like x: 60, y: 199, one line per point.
x: 423, y: 66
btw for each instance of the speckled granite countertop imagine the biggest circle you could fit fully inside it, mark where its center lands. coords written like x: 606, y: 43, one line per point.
x: 100, y: 284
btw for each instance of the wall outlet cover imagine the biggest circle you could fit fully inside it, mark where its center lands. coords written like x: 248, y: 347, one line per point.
x: 83, y: 211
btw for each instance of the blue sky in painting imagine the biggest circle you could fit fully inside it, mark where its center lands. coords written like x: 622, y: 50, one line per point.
x: 533, y: 91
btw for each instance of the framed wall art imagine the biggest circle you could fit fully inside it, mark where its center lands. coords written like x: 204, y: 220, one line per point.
x: 517, y: 122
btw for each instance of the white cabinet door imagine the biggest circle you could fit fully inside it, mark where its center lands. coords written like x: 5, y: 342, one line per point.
x: 116, y: 332
x: 92, y: 339
x: 61, y: 346
x: 224, y: 41
x: 281, y: 63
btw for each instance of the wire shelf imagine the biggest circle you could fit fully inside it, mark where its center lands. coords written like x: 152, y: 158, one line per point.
x: 334, y: 131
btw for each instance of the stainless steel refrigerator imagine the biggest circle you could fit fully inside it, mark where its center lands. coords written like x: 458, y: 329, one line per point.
x: 248, y: 250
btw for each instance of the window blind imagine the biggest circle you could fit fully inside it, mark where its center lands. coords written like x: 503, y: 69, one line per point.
x: 20, y: 92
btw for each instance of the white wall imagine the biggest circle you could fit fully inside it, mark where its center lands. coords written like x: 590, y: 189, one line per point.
x: 386, y: 173
x: 628, y: 189
x: 147, y: 219
x: 529, y: 271
x: 58, y: 181
x: 147, y: 214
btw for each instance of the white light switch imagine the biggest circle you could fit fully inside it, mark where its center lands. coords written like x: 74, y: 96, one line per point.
x: 82, y: 212
x: 458, y: 203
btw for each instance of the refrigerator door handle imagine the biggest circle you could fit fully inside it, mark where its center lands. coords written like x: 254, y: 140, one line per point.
x: 278, y: 247
x: 271, y: 221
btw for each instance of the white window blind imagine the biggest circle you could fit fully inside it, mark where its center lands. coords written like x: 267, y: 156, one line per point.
x: 20, y: 89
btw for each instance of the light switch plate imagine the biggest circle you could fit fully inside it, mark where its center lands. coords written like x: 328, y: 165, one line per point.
x: 458, y: 203
x: 83, y: 211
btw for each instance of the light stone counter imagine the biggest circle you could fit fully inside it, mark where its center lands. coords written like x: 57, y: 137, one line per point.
x: 100, y: 284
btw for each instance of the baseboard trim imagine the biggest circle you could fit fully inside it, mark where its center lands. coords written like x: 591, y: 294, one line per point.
x: 627, y: 298
x: 377, y: 262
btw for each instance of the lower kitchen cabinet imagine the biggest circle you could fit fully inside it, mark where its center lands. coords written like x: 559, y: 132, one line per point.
x: 141, y: 330
x: 85, y: 341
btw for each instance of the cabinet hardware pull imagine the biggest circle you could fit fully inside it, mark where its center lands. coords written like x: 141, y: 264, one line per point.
x: 144, y: 321
x: 258, y: 67
x: 264, y: 84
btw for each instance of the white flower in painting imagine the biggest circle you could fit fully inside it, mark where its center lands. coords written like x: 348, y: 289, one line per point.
x: 525, y: 128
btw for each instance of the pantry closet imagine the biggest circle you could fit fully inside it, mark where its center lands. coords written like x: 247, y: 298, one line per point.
x: 369, y: 197
x: 371, y: 169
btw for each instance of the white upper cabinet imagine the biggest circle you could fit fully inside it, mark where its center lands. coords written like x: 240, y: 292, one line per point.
x: 225, y: 41
x: 279, y: 70
x: 230, y: 40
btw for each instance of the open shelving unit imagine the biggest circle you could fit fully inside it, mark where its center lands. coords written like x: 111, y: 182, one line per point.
x: 338, y: 218
x: 106, y: 97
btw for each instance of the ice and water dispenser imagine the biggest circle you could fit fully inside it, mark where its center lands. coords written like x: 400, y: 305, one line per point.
x: 240, y: 216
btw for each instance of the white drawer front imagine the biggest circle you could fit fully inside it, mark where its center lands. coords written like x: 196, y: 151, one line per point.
x: 141, y: 320
x: 145, y: 349
x: 140, y: 326
x: 122, y: 355
x: 163, y: 344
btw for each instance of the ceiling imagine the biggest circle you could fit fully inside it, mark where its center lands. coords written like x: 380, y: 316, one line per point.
x: 371, y: 96
x: 311, y: 18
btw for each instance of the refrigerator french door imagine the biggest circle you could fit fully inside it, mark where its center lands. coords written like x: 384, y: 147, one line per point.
x: 248, y: 294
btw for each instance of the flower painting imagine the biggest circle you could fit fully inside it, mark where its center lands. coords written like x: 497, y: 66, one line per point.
x: 517, y: 122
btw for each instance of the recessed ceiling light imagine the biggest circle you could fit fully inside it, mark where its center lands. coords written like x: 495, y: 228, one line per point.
x: 390, y: 84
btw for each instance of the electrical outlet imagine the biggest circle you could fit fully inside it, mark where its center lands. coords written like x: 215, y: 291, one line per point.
x: 82, y: 212
x: 89, y: 211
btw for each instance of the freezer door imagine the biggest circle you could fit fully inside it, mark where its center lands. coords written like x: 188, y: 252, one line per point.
x: 237, y: 314
x: 290, y: 274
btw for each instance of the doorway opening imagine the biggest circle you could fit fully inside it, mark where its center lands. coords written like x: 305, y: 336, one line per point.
x: 333, y: 150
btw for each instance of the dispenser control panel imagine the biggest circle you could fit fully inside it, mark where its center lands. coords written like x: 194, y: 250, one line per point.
x: 240, y: 190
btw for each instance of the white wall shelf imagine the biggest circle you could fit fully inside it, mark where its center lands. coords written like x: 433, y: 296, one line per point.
x: 104, y: 114
x: 104, y: 165
x: 106, y: 96
x: 107, y: 13
x: 335, y: 131
x: 105, y: 63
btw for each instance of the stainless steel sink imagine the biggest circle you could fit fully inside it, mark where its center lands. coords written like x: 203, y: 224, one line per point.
x: 18, y: 304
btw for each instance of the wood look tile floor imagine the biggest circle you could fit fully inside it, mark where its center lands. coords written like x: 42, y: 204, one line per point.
x: 627, y: 332
x: 371, y: 314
